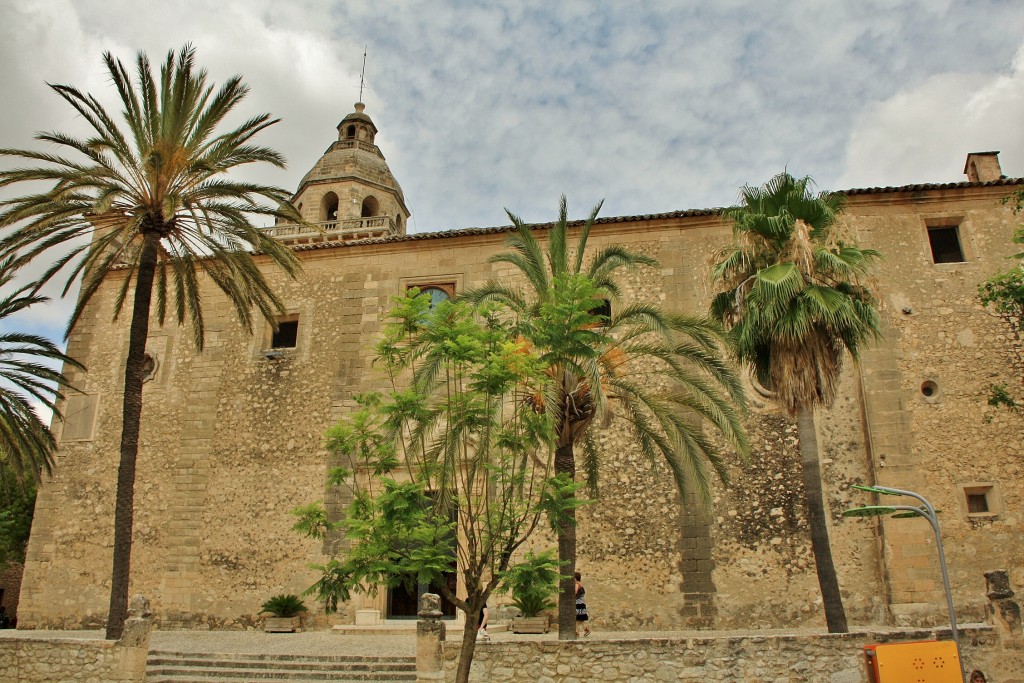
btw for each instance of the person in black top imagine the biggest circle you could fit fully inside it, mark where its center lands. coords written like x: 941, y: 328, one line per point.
x: 581, y: 607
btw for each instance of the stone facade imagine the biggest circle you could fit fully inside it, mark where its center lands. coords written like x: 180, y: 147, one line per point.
x: 232, y: 437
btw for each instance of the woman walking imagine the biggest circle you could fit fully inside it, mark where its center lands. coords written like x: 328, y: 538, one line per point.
x: 581, y: 607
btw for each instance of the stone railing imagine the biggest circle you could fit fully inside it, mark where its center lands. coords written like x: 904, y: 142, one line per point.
x: 345, y: 230
x: 357, y: 144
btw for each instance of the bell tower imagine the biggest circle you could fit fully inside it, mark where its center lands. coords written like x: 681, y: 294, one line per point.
x: 350, y: 193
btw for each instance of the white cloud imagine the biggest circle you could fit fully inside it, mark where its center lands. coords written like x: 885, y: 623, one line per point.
x: 923, y: 134
x: 668, y: 104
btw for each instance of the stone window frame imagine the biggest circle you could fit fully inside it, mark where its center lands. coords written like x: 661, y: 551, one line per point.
x: 265, y: 348
x: 963, y: 234
x: 993, y: 499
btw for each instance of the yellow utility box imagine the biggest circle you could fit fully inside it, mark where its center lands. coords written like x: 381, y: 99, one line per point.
x: 927, y: 661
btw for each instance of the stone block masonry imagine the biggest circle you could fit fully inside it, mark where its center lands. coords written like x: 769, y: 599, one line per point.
x: 232, y: 438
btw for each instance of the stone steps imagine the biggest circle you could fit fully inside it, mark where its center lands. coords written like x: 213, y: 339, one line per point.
x: 190, y: 667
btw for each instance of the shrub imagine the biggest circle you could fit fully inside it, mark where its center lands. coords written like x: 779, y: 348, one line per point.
x: 283, y: 606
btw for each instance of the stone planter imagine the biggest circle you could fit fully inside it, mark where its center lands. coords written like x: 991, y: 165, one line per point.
x: 539, y: 624
x: 282, y: 624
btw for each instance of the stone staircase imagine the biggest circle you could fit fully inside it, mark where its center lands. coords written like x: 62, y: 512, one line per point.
x: 185, y: 667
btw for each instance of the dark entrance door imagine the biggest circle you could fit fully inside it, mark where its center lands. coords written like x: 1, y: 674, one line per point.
x: 403, y: 603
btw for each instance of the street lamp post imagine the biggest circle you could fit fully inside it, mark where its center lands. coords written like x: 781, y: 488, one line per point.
x: 927, y: 511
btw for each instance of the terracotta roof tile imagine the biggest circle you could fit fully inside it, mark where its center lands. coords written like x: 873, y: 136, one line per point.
x: 686, y: 213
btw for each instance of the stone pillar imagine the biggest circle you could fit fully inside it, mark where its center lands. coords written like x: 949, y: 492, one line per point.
x: 1003, y: 611
x: 189, y: 494
x: 697, y: 563
x: 430, y: 631
x: 134, y: 642
x: 909, y: 561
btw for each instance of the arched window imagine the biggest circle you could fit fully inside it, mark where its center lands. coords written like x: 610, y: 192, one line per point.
x: 371, y: 207
x: 350, y: 132
x: 398, y: 220
x: 329, y: 207
x: 438, y: 291
x: 437, y: 295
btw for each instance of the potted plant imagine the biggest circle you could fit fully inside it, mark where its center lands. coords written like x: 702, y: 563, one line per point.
x: 285, y: 614
x: 533, y: 584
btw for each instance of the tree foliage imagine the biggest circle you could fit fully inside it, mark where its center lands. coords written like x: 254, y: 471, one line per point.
x: 17, y: 505
x: 26, y: 375
x: 792, y: 292
x: 453, y: 461
x: 660, y: 374
x: 1004, y: 291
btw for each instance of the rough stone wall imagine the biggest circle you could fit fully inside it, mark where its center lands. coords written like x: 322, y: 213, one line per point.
x: 232, y: 441
x: 938, y: 332
x: 791, y: 658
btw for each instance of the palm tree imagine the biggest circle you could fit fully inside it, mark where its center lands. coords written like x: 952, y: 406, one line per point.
x: 26, y: 444
x: 792, y: 300
x: 661, y: 373
x: 149, y: 205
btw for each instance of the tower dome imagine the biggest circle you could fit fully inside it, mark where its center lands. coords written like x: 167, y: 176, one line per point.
x: 349, y: 193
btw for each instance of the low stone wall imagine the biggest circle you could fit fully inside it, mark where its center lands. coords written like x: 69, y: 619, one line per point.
x: 34, y: 659
x: 822, y: 658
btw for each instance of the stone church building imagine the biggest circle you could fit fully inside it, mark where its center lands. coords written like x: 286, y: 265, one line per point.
x: 232, y: 438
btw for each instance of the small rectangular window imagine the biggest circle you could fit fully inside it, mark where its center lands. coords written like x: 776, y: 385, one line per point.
x: 286, y: 336
x: 980, y: 500
x: 977, y: 502
x: 945, y: 243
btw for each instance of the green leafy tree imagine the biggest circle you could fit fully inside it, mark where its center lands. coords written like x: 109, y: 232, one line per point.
x: 533, y: 583
x: 146, y: 202
x: 26, y: 375
x: 17, y: 504
x: 660, y: 373
x: 791, y: 297
x: 1004, y: 291
x: 453, y: 461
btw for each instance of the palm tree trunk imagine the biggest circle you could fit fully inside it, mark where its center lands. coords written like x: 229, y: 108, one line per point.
x: 835, y: 615
x: 132, y: 414
x: 565, y: 463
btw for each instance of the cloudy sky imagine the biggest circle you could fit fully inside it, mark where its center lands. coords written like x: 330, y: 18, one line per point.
x: 653, y: 105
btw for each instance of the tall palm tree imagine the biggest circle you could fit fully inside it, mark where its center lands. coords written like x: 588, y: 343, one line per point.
x: 661, y: 373
x: 26, y: 444
x: 792, y: 298
x: 149, y: 204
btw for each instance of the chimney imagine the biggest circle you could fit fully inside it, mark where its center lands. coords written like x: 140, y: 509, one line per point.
x: 983, y: 167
